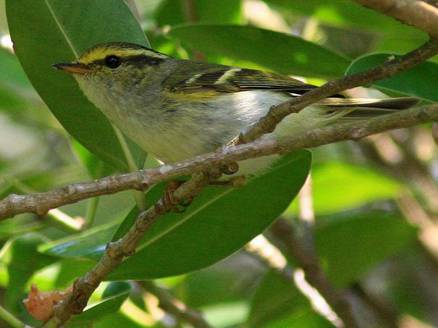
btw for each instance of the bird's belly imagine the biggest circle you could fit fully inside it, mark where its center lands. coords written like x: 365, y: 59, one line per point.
x: 193, y: 128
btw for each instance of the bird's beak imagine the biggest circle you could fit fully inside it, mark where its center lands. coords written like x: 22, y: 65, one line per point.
x: 73, y: 68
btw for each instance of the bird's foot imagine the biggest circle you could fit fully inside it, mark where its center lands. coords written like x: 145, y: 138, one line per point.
x: 169, y: 201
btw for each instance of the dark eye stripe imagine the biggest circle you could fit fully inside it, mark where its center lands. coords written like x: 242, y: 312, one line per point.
x: 143, y: 60
x: 139, y: 60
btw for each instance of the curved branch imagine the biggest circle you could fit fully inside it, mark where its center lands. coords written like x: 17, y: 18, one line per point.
x: 117, y: 251
x: 391, y: 67
x: 77, y: 299
x: 416, y: 13
x: 40, y: 203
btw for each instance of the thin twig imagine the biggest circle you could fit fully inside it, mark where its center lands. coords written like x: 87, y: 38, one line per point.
x: 385, y: 312
x: 116, y: 251
x: 391, y: 67
x: 417, y: 13
x: 10, y: 319
x: 174, y: 306
x: 40, y: 203
x: 270, y: 256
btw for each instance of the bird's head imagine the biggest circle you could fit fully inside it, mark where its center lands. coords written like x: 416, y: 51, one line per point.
x: 114, y: 63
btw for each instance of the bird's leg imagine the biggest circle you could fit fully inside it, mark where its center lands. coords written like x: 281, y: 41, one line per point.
x: 169, y: 200
x: 229, y: 168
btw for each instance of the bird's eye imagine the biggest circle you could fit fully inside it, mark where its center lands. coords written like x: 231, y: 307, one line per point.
x: 112, y: 61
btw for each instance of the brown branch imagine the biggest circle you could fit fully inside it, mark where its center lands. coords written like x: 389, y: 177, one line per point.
x: 385, y: 312
x: 43, y: 202
x: 419, y: 14
x: 174, y: 306
x: 270, y: 256
x: 40, y: 203
x: 391, y: 67
x: 116, y: 251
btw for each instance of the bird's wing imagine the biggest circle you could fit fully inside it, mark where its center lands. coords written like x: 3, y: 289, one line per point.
x: 208, y: 77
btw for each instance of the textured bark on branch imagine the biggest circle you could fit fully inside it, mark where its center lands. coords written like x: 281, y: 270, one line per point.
x: 246, y: 148
x: 387, y: 69
x: 417, y: 13
x: 40, y: 203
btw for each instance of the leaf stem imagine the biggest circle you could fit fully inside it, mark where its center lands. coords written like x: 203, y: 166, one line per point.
x: 10, y: 318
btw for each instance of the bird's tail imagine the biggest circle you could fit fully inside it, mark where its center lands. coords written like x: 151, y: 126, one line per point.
x: 367, y: 107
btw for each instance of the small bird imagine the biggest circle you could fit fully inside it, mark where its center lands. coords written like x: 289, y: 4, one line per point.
x: 176, y: 109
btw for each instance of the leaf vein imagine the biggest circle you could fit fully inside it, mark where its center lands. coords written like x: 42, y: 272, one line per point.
x: 64, y: 33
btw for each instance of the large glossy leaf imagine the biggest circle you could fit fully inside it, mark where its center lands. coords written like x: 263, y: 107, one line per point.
x: 46, y: 32
x: 275, y: 51
x: 89, y: 244
x: 370, y: 236
x: 355, y: 186
x: 171, y: 12
x: 217, y: 223
x: 420, y: 81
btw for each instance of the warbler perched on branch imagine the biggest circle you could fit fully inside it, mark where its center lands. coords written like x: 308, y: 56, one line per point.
x: 175, y: 109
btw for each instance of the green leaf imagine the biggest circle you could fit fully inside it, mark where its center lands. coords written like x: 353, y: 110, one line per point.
x: 89, y: 244
x: 355, y: 186
x: 12, y: 75
x: 341, y: 13
x: 275, y: 51
x: 22, y: 260
x: 14, y: 86
x: 388, y: 34
x: 171, y: 12
x: 278, y: 303
x: 275, y: 297
x: 46, y: 32
x: 304, y: 319
x: 211, y: 286
x: 119, y: 319
x: 218, y: 222
x: 370, y: 236
x: 69, y: 271
x: 420, y: 81
x: 114, y: 296
x: 95, y: 167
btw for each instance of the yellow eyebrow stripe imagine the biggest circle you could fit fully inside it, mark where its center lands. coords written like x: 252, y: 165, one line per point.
x: 101, y: 53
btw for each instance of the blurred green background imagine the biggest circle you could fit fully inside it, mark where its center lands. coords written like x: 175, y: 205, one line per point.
x: 375, y: 201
